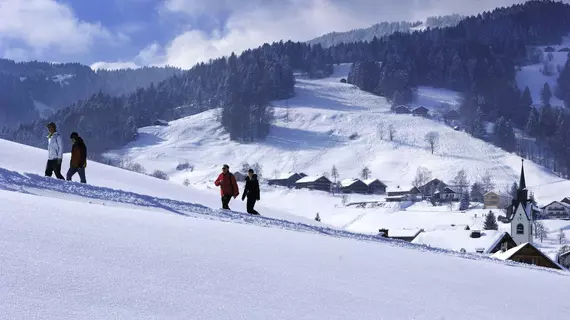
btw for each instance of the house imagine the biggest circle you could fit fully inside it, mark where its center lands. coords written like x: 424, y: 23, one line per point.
x: 353, y: 186
x: 494, y: 200
x: 420, y: 112
x: 564, y: 259
x: 403, y: 194
x: 472, y: 241
x: 343, y: 80
x: 375, y: 186
x: 566, y: 200
x: 556, y: 210
x: 527, y: 253
x: 549, y: 49
x: 286, y: 179
x: 451, y: 116
x: 448, y: 194
x: 400, y: 234
x: 314, y: 183
x: 159, y: 122
x: 239, y: 176
x: 431, y: 187
x: 565, y: 49
x: 402, y: 110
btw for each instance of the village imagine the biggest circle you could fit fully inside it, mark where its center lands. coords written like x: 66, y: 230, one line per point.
x: 514, y: 218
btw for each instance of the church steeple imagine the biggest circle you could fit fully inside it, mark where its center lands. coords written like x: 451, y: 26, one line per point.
x: 522, y: 192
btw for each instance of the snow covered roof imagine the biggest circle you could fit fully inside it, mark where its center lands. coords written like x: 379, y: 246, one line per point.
x: 370, y: 181
x: 308, y: 179
x: 348, y: 182
x: 506, y: 255
x: 285, y: 176
x: 403, y: 233
x: 559, y: 203
x: 460, y: 239
x: 400, y: 188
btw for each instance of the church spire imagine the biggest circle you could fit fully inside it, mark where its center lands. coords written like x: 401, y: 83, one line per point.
x: 522, y: 183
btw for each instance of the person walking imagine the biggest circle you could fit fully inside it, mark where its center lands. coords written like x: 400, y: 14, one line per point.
x: 251, y: 191
x: 55, y: 152
x: 78, y: 161
x: 228, y: 186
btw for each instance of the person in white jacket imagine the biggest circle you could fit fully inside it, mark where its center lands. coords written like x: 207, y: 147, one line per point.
x: 55, y: 152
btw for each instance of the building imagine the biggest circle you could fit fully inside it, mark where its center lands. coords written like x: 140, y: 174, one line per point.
x: 527, y: 253
x: 494, y: 200
x: 400, y: 234
x: 564, y: 259
x: 566, y: 200
x: 159, y: 122
x: 420, y: 112
x: 286, y: 180
x: 451, y: 115
x: 353, y: 186
x: 472, y: 241
x: 402, y: 110
x: 431, y: 187
x: 520, y: 213
x: 403, y: 193
x: 375, y: 186
x: 240, y: 177
x: 448, y: 194
x: 314, y: 183
x: 556, y: 210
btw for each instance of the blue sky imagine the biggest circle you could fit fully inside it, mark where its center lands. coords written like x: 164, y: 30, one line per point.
x: 131, y: 33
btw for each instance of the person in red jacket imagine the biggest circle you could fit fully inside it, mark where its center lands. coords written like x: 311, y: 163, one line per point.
x: 228, y: 186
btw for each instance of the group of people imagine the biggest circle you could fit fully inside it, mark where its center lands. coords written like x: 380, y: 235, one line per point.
x: 226, y: 180
x: 78, y: 161
x: 229, y: 188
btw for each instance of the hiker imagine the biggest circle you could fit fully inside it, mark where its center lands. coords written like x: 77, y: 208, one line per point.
x: 251, y: 191
x: 55, y: 152
x: 228, y: 186
x: 78, y: 161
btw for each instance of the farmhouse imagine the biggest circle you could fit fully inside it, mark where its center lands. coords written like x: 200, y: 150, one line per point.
x: 527, y: 253
x: 451, y: 115
x: 556, y: 210
x: 375, y: 186
x: 239, y: 176
x: 448, y: 194
x: 402, y: 110
x: 400, y: 234
x: 314, y: 183
x: 404, y: 193
x: 285, y: 180
x: 472, y: 241
x: 159, y: 122
x: 353, y: 186
x: 494, y: 200
x: 431, y: 187
x: 564, y: 259
x: 420, y: 112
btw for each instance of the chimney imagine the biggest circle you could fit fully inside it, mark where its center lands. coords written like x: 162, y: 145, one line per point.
x: 383, y: 232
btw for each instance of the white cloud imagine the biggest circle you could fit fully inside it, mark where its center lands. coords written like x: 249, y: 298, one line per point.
x: 114, y: 65
x: 251, y: 23
x: 43, y: 25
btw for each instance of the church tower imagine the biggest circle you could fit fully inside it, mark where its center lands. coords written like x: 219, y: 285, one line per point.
x: 522, y: 209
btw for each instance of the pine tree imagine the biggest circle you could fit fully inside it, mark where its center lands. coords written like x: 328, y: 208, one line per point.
x: 464, y: 203
x: 365, y: 173
x: 477, y: 192
x: 490, y: 222
x: 545, y: 94
x: 532, y: 125
x: 478, y: 125
x: 561, y: 236
x: 526, y: 99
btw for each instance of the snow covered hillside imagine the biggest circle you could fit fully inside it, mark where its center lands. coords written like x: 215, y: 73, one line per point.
x: 313, y: 132
x: 128, y: 246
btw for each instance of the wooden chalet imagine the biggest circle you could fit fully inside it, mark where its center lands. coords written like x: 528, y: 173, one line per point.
x: 314, y: 183
x: 566, y: 200
x: 420, y: 112
x: 400, y: 234
x: 448, y: 194
x: 240, y: 177
x: 402, y: 110
x: 286, y: 180
x: 159, y: 122
x: 403, y: 193
x: 451, y: 115
x: 529, y: 254
x: 556, y: 210
x: 375, y: 186
x: 494, y: 200
x: 564, y: 259
x: 431, y: 187
x: 465, y: 240
x: 353, y: 186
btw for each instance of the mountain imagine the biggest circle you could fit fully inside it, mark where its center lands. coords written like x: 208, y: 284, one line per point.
x: 384, y: 29
x: 131, y: 246
x: 38, y: 89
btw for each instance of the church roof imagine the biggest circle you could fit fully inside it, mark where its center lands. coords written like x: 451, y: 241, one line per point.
x: 522, y: 183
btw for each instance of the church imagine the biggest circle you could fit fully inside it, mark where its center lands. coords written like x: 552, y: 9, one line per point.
x: 520, y: 213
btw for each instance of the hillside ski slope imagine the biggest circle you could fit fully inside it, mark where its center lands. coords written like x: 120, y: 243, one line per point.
x: 71, y: 251
x: 316, y: 135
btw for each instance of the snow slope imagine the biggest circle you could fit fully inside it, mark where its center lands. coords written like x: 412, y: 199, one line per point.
x: 316, y: 135
x: 117, y: 249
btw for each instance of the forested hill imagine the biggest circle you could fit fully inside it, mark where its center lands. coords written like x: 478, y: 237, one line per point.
x: 33, y: 89
x: 477, y: 57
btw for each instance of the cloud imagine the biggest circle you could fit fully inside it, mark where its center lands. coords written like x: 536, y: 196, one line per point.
x: 46, y: 25
x: 250, y: 23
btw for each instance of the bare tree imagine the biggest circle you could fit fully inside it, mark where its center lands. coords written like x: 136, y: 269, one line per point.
x: 432, y: 138
x: 391, y: 132
x: 541, y: 231
x: 334, y: 173
x: 561, y: 236
x: 380, y: 129
x: 423, y: 176
x: 365, y: 173
x: 487, y: 182
x: 460, y: 180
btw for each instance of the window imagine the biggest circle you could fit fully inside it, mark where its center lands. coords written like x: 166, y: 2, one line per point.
x: 520, y: 228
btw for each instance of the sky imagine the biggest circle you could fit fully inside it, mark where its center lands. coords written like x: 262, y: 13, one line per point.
x: 133, y: 33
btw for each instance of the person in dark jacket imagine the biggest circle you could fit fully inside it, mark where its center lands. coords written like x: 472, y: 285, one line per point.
x: 228, y: 186
x: 251, y: 191
x: 78, y: 161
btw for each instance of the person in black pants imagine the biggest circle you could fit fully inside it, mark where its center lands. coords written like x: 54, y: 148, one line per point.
x: 251, y: 191
x: 78, y: 161
x: 55, y: 152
